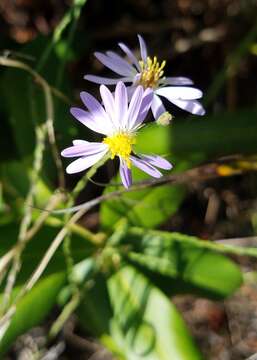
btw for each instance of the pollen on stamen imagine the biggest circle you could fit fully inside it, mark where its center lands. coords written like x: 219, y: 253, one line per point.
x: 121, y: 145
x: 151, y: 72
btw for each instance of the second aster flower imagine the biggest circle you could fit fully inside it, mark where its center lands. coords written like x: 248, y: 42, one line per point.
x: 149, y: 73
x: 118, y: 120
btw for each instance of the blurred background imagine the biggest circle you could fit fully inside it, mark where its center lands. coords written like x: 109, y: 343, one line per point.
x: 213, y: 42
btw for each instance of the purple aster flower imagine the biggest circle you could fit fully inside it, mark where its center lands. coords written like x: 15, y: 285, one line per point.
x: 149, y: 73
x: 118, y: 120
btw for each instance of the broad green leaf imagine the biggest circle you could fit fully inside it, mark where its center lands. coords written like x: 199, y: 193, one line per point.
x: 150, y: 207
x: 181, y: 263
x: 146, y: 325
x: 32, y: 309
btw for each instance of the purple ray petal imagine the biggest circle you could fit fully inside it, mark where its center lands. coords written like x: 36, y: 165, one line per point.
x: 180, y: 80
x: 146, y: 167
x: 92, y: 104
x: 179, y: 92
x: 145, y: 106
x: 89, y: 121
x: 123, y: 63
x: 84, y: 163
x: 108, y: 101
x: 143, y: 48
x: 157, y: 161
x: 130, y: 55
x: 134, y: 107
x: 84, y: 149
x: 157, y: 107
x: 192, y: 106
x: 112, y: 64
x: 106, y: 81
x: 121, y: 104
x: 97, y: 111
x: 125, y: 174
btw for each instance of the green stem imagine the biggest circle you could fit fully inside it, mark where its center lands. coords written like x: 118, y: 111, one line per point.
x: 73, y: 13
x: 67, y: 241
x: 84, y: 180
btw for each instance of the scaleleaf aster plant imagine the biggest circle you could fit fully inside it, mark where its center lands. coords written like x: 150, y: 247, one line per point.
x: 149, y: 73
x: 118, y: 120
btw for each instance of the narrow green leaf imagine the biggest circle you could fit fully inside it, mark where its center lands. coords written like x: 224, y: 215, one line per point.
x: 32, y: 309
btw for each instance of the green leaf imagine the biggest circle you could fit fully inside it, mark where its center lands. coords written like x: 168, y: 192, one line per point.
x: 32, y: 309
x: 158, y: 203
x: 146, y: 324
x: 181, y: 263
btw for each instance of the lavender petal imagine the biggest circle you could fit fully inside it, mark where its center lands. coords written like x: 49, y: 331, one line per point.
x: 157, y: 107
x: 180, y: 80
x: 130, y: 55
x: 157, y: 161
x: 179, y: 93
x: 97, y: 111
x: 112, y: 64
x: 143, y: 48
x: 85, y: 162
x: 145, y: 106
x: 88, y: 120
x: 123, y: 63
x: 125, y: 174
x: 192, y: 106
x: 134, y: 107
x: 146, y: 167
x: 108, y: 101
x: 121, y: 104
x: 106, y: 81
x: 80, y: 149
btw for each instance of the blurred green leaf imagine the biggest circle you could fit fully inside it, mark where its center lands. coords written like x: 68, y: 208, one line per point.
x: 181, y: 264
x: 32, y: 309
x: 94, y: 312
x: 146, y: 325
x: 216, y: 135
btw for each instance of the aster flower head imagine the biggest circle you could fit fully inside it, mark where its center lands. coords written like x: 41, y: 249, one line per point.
x: 149, y: 73
x: 118, y: 120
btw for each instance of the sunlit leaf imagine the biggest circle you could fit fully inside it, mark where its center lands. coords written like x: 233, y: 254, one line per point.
x: 146, y: 324
x: 180, y: 263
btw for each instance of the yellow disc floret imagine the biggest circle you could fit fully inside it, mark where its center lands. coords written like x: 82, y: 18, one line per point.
x: 151, y: 72
x: 121, y: 145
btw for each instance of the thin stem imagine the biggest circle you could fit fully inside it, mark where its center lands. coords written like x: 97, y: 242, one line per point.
x: 38, y: 158
x: 59, y: 30
x: 65, y: 314
x: 49, y: 109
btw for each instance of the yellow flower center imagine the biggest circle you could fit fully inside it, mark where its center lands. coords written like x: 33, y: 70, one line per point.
x: 151, y: 72
x: 121, y: 145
